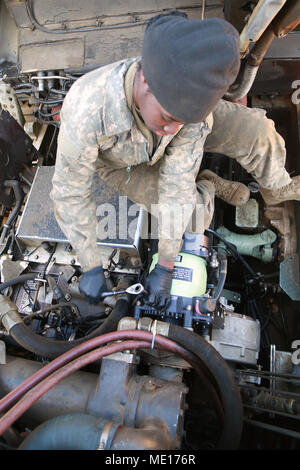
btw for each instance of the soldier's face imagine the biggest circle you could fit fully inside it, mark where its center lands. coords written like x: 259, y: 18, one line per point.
x: 156, y: 118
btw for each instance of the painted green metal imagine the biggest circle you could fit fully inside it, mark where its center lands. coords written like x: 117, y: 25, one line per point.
x: 189, y: 277
x: 257, y: 245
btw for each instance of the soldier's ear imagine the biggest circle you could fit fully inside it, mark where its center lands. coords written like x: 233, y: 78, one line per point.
x: 142, y: 77
x: 144, y: 83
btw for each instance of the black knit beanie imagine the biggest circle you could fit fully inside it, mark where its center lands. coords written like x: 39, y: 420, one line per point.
x: 189, y: 64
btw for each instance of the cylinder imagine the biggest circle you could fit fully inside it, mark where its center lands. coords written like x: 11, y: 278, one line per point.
x: 189, y: 276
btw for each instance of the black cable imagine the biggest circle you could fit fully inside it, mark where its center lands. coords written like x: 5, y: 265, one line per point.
x: 49, y: 102
x: 49, y: 259
x: 51, y: 143
x: 50, y: 123
x: 58, y: 92
x: 48, y: 114
x: 233, y: 250
x: 52, y: 307
x: 267, y: 321
x: 18, y: 280
x: 21, y: 85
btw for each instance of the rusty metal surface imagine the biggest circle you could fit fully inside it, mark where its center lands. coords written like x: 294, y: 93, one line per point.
x: 282, y: 217
x: 288, y: 18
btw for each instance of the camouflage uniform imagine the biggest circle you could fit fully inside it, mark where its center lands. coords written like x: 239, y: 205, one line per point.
x: 101, y: 132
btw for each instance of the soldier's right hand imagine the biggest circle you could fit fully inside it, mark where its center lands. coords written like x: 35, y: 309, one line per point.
x: 92, y: 284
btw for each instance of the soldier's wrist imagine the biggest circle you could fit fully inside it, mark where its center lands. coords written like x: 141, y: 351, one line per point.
x: 166, y: 263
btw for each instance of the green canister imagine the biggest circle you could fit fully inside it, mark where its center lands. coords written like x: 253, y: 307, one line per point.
x: 189, y: 276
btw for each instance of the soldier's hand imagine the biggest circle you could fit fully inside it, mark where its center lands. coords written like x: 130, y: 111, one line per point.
x: 158, y: 286
x: 92, y: 284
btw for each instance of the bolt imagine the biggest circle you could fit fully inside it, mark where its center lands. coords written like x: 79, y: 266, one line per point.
x: 150, y: 386
x: 68, y: 297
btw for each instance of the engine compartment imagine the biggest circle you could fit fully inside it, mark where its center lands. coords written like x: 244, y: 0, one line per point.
x: 217, y: 369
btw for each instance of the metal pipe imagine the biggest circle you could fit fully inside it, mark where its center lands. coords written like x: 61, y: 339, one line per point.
x: 153, y: 434
x: 86, y: 432
x: 263, y: 14
x: 15, y: 412
x: 72, y: 395
x: 270, y: 427
x: 287, y: 20
x: 252, y: 65
x: 17, y: 391
x: 28, y: 400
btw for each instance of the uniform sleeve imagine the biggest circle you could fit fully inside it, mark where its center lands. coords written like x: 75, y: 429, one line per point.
x: 74, y: 205
x: 177, y: 187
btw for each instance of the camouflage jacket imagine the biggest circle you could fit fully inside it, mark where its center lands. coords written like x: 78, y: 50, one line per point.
x: 97, y: 125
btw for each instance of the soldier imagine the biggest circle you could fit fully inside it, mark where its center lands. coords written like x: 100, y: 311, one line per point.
x: 143, y: 124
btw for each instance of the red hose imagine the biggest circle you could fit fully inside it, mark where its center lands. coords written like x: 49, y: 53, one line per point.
x: 161, y: 343
x: 43, y: 387
x: 9, y: 399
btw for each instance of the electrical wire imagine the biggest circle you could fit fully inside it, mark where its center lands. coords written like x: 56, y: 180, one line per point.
x: 38, y: 26
x: 235, y: 252
x: 58, y: 92
x: 50, y: 308
x: 49, y: 102
x: 50, y: 145
x: 48, y: 114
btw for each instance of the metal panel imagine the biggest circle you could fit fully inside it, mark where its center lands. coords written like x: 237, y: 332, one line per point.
x: 60, y: 11
x: 290, y: 277
x: 101, y: 46
x: 287, y: 47
x: 38, y: 222
x: 52, y: 55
